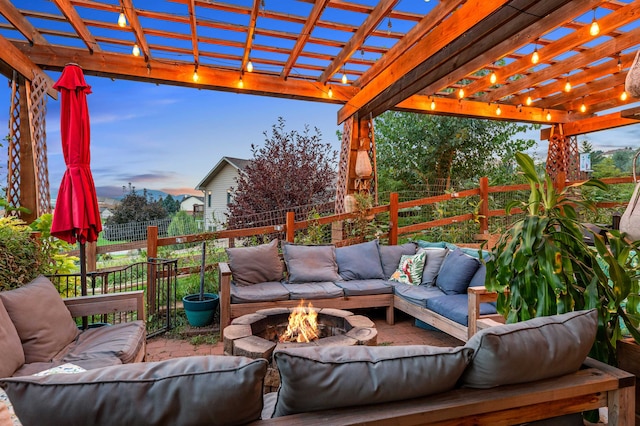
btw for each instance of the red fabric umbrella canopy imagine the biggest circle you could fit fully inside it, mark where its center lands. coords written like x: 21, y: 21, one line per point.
x: 76, y: 216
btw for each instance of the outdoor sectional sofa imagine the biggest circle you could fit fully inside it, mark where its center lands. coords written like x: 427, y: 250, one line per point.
x: 359, y: 276
x: 483, y: 382
x: 38, y: 331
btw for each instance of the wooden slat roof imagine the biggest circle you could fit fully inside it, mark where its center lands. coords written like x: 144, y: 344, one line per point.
x: 411, y: 55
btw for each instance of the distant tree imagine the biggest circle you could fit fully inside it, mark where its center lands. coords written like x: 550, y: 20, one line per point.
x: 606, y: 168
x: 291, y: 169
x: 623, y: 159
x: 182, y: 224
x: 133, y: 208
x: 170, y: 204
x: 416, y: 149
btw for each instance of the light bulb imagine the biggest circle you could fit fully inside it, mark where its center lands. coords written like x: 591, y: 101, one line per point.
x: 433, y: 105
x: 535, y: 58
x: 493, y: 78
x: 345, y: 80
x: 135, y: 50
x: 330, y: 92
x: 461, y: 93
x: 623, y: 95
x: 548, y: 116
x: 122, y: 20
x: 567, y: 86
x: 195, y: 75
x: 528, y: 101
x: 594, y: 30
x: 583, y: 108
x: 240, y: 83
x: 498, y: 110
x: 249, y: 66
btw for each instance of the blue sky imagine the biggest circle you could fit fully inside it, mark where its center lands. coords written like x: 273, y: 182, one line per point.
x: 168, y: 138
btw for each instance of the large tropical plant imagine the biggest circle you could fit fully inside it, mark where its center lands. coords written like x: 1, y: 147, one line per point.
x: 542, y: 265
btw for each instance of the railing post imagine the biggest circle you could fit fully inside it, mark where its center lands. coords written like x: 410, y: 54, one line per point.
x: 291, y: 231
x: 152, y: 253
x: 483, y: 210
x: 92, y: 256
x: 393, y: 218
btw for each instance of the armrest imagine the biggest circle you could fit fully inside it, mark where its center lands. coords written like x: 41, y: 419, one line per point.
x: 128, y: 301
x: 225, y: 294
x: 478, y: 295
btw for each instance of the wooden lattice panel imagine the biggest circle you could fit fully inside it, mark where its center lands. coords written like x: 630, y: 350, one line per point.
x: 13, y: 167
x: 343, y: 167
x: 37, y: 115
x: 563, y: 156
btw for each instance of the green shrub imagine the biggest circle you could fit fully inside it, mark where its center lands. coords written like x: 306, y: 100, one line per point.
x: 21, y: 260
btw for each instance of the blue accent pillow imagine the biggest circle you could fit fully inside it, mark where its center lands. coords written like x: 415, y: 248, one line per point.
x: 456, y: 272
x: 359, y: 262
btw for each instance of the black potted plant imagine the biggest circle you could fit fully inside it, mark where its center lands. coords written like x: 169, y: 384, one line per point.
x: 201, y: 307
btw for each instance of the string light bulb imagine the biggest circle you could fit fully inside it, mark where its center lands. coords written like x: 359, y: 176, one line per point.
x: 330, y: 93
x: 619, y: 63
x: 240, y: 82
x: 624, y: 95
x: 583, y: 107
x: 461, y: 93
x: 122, y: 20
x: 433, y: 104
x: 249, y: 66
x: 136, y: 50
x: 535, y: 57
x: 567, y: 86
x: 345, y: 80
x: 548, y: 116
x: 493, y: 77
x: 594, y: 30
x: 195, y: 74
x: 498, y: 110
x: 528, y: 101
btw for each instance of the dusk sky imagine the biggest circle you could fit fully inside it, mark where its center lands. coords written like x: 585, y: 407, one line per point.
x: 168, y: 138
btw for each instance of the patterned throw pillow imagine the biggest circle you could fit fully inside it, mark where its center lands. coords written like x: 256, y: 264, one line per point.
x: 410, y: 269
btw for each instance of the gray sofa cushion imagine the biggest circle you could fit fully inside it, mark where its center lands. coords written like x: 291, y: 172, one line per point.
x: 435, y: 258
x: 310, y: 263
x: 321, y: 378
x: 536, y: 349
x: 365, y: 287
x: 456, y: 272
x: 324, y: 290
x: 263, y: 292
x: 87, y: 364
x: 11, y: 352
x: 122, y: 341
x: 183, y: 391
x: 479, y: 276
x: 41, y: 318
x: 456, y: 307
x: 416, y: 294
x: 390, y: 256
x: 252, y: 265
x: 359, y: 261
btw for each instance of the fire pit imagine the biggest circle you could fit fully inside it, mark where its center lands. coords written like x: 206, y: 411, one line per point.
x: 258, y: 335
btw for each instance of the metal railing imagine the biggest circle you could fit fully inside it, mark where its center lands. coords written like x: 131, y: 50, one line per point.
x: 160, y: 297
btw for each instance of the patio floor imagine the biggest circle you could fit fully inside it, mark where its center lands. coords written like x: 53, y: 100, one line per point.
x: 403, y: 332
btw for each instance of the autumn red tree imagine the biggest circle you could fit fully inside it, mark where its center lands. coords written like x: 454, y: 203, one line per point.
x: 291, y: 169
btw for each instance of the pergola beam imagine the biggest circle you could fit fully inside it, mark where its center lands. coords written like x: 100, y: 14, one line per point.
x: 134, y: 22
x: 78, y: 24
x: 18, y: 61
x: 593, y: 124
x: 18, y: 20
x: 251, y: 30
x: 194, y: 31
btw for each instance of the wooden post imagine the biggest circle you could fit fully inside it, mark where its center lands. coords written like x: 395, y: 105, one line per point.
x: 152, y: 253
x: 92, y: 256
x: 291, y: 231
x: 393, y: 218
x: 483, y: 211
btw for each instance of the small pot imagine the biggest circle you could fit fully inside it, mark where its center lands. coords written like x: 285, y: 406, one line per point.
x: 200, y: 313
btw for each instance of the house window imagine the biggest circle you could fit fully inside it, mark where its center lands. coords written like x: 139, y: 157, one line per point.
x: 209, y: 199
x: 228, y: 197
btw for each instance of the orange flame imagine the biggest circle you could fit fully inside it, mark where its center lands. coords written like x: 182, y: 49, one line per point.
x: 303, y: 325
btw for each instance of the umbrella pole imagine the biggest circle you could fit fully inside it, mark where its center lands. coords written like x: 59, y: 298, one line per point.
x: 83, y: 279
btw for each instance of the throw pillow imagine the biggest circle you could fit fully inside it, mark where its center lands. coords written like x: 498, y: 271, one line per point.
x: 456, y: 272
x: 548, y: 347
x: 7, y: 414
x: 410, y: 269
x: 429, y: 244
x: 435, y: 258
x: 11, y: 352
x: 390, y: 256
x: 310, y: 263
x: 384, y: 374
x: 253, y: 265
x: 359, y: 261
x: 42, y: 320
x: 146, y: 393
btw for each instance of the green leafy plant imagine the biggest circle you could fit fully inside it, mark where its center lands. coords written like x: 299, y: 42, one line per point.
x: 53, y: 248
x: 542, y: 265
x: 20, y: 257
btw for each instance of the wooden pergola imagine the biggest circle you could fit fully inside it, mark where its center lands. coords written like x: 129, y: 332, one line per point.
x: 433, y: 57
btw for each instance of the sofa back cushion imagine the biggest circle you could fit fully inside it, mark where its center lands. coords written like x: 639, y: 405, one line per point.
x: 321, y: 378
x: 536, y: 349
x: 310, y: 263
x: 456, y: 272
x: 41, y: 318
x: 390, y: 256
x: 11, y: 352
x: 359, y: 261
x: 435, y: 258
x: 253, y: 265
x: 221, y: 390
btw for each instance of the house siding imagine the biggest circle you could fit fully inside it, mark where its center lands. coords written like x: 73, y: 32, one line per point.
x: 224, y: 181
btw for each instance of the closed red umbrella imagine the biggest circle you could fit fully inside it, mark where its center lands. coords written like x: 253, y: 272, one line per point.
x: 76, y: 216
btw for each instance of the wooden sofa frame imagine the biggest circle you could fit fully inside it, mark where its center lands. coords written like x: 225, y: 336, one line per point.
x: 595, y: 385
x: 128, y: 301
x: 229, y: 311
